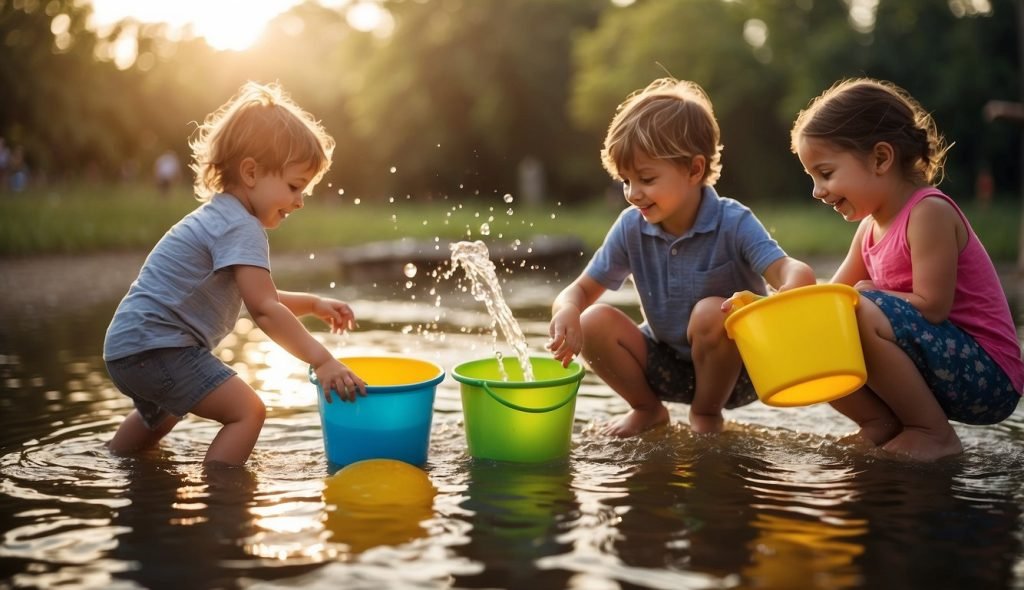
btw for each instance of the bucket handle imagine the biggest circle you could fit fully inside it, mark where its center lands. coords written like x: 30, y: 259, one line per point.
x: 513, y: 406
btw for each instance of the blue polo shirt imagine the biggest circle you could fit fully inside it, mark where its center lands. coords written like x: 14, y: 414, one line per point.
x: 727, y: 250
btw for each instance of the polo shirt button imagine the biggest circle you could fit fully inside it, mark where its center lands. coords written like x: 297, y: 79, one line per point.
x: 675, y: 251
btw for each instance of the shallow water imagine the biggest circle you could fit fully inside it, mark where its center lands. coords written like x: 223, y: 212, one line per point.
x: 773, y: 502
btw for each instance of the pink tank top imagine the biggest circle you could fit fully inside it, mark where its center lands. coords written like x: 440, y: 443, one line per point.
x: 979, y: 303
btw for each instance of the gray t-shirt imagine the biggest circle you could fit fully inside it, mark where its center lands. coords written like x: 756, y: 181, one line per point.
x: 727, y: 250
x: 185, y: 294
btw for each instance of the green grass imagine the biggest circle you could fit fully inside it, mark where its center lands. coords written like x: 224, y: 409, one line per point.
x: 79, y: 219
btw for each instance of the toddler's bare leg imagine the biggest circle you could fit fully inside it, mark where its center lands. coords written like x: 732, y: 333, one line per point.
x: 235, y: 405
x: 927, y: 434
x: 716, y: 362
x: 616, y: 350
x: 133, y: 435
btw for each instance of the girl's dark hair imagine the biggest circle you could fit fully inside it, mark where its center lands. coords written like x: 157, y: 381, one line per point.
x: 859, y: 113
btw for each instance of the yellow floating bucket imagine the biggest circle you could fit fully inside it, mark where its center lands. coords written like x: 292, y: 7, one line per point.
x: 801, y: 346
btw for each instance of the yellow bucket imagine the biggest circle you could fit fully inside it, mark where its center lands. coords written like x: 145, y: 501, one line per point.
x: 801, y: 346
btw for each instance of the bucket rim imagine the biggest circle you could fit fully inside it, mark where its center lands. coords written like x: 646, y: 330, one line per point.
x: 404, y: 387
x: 838, y: 288
x: 575, y: 375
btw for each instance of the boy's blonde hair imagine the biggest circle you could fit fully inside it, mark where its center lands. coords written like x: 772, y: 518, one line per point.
x: 261, y: 122
x: 669, y: 119
x: 856, y: 114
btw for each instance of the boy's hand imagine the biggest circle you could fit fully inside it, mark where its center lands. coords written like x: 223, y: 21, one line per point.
x: 336, y: 314
x: 566, y: 335
x: 336, y: 377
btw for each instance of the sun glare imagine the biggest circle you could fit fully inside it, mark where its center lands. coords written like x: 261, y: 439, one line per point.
x: 225, y: 24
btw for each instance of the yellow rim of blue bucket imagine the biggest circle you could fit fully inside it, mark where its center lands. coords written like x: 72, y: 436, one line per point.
x: 389, y: 388
x: 486, y: 385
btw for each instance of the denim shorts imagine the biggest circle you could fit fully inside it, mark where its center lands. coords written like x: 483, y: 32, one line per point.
x: 168, y: 381
x: 968, y: 384
x: 673, y: 378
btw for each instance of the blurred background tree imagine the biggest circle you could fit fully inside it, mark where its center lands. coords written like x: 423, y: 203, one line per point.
x: 452, y: 96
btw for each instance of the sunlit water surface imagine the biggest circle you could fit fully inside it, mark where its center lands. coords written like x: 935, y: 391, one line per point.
x: 774, y: 502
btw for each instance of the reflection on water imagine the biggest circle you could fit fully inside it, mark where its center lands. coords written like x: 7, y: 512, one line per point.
x: 773, y: 502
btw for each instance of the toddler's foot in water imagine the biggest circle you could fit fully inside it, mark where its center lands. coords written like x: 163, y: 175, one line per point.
x: 921, y: 445
x: 637, y: 421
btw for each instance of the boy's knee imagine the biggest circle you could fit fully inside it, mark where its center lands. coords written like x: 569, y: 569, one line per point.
x: 596, y: 317
x: 707, y: 318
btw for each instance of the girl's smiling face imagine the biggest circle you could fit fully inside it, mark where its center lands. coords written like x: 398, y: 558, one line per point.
x: 842, y: 179
x: 663, y: 192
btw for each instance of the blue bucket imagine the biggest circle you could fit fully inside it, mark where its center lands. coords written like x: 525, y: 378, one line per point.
x: 393, y: 420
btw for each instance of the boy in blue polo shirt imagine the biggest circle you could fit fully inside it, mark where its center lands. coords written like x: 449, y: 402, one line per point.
x: 688, y: 250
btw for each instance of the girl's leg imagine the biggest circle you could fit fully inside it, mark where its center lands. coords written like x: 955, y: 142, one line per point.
x: 927, y: 434
x: 615, y: 349
x: 878, y: 425
x: 235, y: 405
x: 133, y: 435
x: 716, y: 364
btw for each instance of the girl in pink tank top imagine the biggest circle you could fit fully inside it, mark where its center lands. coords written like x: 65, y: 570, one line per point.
x: 938, y: 336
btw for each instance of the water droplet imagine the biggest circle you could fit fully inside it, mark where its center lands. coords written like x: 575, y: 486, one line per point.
x: 485, y: 229
x: 356, y: 201
x: 394, y: 169
x: 508, y: 198
x: 509, y: 212
x: 312, y: 256
x: 341, y: 191
x: 333, y: 284
x: 410, y: 270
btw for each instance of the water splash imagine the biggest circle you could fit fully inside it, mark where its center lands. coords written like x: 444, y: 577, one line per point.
x: 475, y: 260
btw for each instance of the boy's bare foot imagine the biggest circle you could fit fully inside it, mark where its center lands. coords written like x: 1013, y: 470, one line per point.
x: 637, y: 421
x: 921, y: 445
x: 706, y: 423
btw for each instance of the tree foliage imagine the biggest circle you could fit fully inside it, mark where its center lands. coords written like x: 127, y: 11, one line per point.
x: 461, y: 91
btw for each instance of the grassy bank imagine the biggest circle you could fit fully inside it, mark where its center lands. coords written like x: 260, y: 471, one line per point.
x: 82, y: 219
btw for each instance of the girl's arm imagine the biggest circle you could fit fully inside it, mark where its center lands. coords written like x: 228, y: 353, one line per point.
x: 852, y: 269
x: 936, y: 234
x: 565, y: 331
x: 267, y: 308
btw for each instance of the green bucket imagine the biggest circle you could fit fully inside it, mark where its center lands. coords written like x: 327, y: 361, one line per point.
x: 517, y: 420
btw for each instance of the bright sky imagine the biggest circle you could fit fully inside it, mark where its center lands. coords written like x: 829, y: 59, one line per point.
x: 225, y: 24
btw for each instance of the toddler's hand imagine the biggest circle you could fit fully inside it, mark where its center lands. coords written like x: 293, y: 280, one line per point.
x: 336, y: 377
x: 337, y: 314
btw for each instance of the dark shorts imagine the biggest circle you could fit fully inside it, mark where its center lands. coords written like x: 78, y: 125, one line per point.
x: 673, y: 378
x: 969, y: 385
x: 168, y: 380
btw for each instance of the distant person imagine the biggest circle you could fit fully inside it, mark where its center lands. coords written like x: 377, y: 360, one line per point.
x: 938, y: 337
x: 167, y: 171
x: 5, y: 163
x: 17, y: 170
x: 687, y: 249
x: 255, y: 159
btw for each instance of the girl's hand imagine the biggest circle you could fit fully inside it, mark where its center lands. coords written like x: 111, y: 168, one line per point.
x: 336, y: 377
x: 336, y: 314
x: 865, y: 285
x: 566, y: 335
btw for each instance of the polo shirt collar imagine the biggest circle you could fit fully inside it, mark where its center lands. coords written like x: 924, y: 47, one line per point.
x: 708, y: 214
